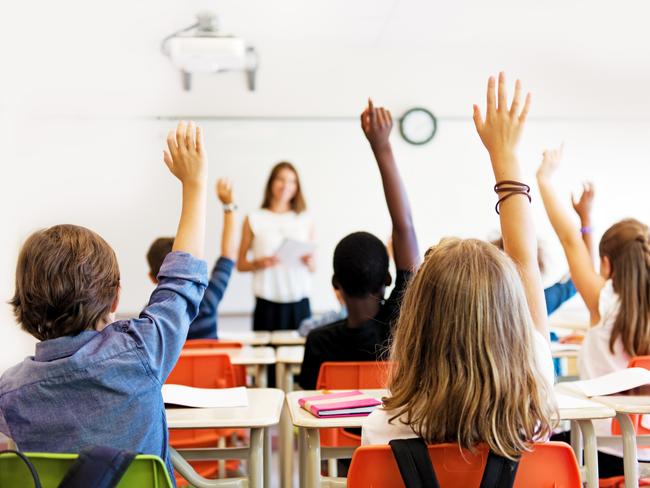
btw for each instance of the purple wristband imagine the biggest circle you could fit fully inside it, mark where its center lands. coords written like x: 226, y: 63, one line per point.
x: 585, y: 230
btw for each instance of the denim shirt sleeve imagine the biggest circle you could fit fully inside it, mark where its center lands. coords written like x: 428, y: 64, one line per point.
x: 4, y: 428
x: 557, y: 294
x: 205, y: 322
x: 163, y: 324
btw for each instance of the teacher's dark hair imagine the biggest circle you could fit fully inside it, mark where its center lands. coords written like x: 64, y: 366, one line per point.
x: 297, y: 203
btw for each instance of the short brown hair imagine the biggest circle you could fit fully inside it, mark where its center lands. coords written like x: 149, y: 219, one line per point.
x: 160, y: 248
x: 67, y: 279
x: 297, y: 203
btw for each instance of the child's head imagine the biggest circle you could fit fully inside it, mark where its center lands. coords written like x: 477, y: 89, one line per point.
x: 361, y: 266
x: 283, y: 186
x: 67, y: 281
x: 160, y: 248
x: 625, y: 258
x: 463, y: 349
x: 541, y: 261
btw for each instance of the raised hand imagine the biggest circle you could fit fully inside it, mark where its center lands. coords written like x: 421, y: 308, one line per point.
x: 185, y: 156
x: 550, y: 162
x: 224, y: 191
x: 186, y: 159
x: 584, y: 204
x: 376, y: 124
x: 501, y: 129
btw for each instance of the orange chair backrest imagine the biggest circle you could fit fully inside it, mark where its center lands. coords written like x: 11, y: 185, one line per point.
x: 203, y: 369
x: 353, y: 374
x: 635, y: 362
x: 551, y: 464
x: 211, y: 344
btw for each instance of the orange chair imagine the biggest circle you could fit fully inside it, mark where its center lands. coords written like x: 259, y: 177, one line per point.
x: 240, y: 371
x: 550, y: 464
x: 201, y: 368
x: 616, y: 481
x: 344, y: 376
x: 211, y: 344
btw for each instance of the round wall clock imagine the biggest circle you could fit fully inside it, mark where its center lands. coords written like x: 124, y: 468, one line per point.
x: 418, y: 126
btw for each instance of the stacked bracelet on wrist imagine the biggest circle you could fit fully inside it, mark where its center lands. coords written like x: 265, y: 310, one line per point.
x: 229, y: 207
x: 510, y: 188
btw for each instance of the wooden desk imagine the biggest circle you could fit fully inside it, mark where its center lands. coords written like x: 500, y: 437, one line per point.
x: 287, y: 338
x: 578, y: 410
x: 256, y: 358
x: 247, y: 338
x: 263, y: 411
x: 288, y: 360
x: 565, y: 350
x: 626, y: 405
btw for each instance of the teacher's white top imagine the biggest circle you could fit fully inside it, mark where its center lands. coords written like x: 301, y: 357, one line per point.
x: 280, y: 283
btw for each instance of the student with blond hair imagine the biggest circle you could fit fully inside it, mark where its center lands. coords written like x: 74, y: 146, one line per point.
x: 472, y: 361
x: 617, y: 297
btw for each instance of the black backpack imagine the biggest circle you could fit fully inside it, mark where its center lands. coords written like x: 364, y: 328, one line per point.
x: 99, y: 467
x: 415, y: 466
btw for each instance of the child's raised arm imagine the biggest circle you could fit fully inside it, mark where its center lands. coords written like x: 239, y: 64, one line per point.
x: 500, y: 132
x: 377, y: 124
x: 187, y: 161
x: 585, y: 278
x: 225, y: 195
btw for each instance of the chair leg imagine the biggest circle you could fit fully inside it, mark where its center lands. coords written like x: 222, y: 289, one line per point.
x: 222, y: 462
x: 332, y: 468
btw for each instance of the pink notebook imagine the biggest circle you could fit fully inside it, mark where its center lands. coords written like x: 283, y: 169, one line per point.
x: 341, y: 404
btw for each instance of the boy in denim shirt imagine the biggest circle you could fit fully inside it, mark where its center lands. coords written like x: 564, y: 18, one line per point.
x: 204, y: 326
x: 93, y: 381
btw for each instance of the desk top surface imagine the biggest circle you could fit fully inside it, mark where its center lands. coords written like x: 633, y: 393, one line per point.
x: 263, y: 410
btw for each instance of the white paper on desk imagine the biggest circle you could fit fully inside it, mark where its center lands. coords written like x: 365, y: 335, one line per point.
x: 616, y: 382
x: 568, y: 401
x: 188, y: 396
x: 291, y: 251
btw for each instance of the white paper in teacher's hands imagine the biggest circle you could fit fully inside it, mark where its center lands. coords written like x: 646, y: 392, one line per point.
x: 291, y: 251
x: 188, y: 396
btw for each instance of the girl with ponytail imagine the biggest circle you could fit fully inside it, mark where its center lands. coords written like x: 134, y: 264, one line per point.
x: 618, y: 297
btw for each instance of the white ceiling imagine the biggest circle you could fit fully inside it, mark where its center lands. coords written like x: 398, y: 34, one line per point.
x: 582, y: 59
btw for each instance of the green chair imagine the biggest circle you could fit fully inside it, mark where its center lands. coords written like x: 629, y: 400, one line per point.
x: 144, y: 472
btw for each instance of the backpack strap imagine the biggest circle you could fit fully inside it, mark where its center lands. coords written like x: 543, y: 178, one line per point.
x: 28, y: 463
x: 99, y: 467
x: 500, y: 472
x: 414, y: 463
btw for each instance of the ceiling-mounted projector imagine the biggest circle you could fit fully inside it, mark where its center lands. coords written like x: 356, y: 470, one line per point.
x: 201, y: 48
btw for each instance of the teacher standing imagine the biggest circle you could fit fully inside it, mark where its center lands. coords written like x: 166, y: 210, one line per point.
x: 281, y: 290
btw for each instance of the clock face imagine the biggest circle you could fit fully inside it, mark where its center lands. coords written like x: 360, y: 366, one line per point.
x: 418, y: 126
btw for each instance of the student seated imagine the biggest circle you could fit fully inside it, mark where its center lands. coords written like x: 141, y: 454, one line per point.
x: 204, y: 326
x: 618, y: 297
x: 472, y: 358
x: 93, y: 381
x: 361, y: 270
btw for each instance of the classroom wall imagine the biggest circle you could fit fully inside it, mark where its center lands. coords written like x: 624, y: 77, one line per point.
x: 86, y: 100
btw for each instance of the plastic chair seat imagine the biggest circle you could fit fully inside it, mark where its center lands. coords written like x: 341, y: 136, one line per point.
x: 145, y: 471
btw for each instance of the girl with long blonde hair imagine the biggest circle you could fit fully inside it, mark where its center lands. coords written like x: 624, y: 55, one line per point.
x: 472, y: 362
